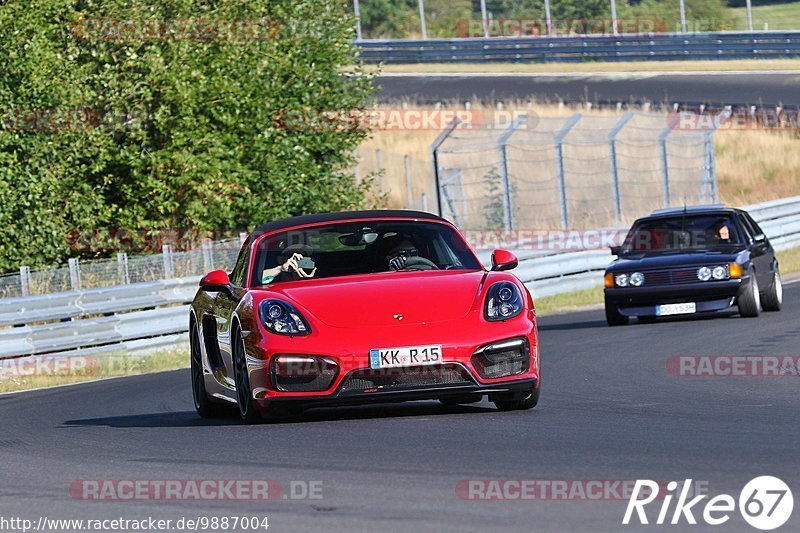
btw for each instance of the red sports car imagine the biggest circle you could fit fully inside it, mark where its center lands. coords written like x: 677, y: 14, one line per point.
x: 361, y: 307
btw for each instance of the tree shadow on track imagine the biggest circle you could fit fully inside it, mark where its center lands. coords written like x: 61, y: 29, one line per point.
x: 364, y: 412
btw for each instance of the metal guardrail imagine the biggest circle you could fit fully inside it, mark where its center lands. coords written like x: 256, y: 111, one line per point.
x: 146, y: 316
x: 659, y: 47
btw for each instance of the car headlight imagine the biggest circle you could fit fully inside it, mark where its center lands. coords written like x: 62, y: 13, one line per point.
x: 282, y: 318
x: 503, y: 301
x: 622, y: 280
x: 636, y: 279
x: 704, y: 273
x: 719, y: 272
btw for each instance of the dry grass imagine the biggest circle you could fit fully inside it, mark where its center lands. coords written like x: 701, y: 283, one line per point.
x: 591, y: 67
x: 752, y: 165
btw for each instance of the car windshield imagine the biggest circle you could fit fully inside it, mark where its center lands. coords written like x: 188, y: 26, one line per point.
x: 342, y: 249
x: 679, y: 233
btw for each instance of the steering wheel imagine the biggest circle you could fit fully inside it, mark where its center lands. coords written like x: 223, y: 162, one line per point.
x: 419, y: 263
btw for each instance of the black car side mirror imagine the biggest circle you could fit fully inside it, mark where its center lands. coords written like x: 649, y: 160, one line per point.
x: 615, y: 250
x: 759, y: 238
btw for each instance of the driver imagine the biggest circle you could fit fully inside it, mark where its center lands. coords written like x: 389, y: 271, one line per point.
x: 399, y: 254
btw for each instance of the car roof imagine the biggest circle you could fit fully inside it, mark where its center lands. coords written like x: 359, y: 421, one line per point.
x: 692, y: 210
x: 319, y: 218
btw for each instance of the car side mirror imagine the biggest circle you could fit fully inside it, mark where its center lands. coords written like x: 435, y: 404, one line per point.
x: 760, y: 238
x: 216, y: 281
x: 616, y: 250
x: 503, y: 260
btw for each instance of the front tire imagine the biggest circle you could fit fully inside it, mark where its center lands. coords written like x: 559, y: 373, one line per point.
x: 750, y: 301
x: 244, y: 395
x: 614, y: 317
x: 514, y: 403
x: 772, y: 299
x: 202, y: 404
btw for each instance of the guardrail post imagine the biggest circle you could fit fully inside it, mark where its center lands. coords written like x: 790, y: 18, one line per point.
x: 25, y: 280
x: 425, y: 202
x: 74, y: 274
x: 709, y: 186
x: 558, y: 140
x: 208, y: 255
x: 662, y: 145
x: 437, y: 143
x: 122, y: 268
x: 612, y: 152
x: 169, y: 266
x: 409, y: 191
x: 508, y: 208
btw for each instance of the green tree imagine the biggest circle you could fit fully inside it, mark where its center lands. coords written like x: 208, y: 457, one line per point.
x: 185, y: 129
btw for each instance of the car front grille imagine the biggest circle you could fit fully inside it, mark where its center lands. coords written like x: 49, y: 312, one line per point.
x: 671, y: 277
x: 398, y: 378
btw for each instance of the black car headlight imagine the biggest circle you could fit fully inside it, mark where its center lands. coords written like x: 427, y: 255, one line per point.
x: 503, y: 301
x: 282, y: 318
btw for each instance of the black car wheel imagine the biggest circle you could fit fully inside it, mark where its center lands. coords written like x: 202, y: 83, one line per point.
x: 202, y: 404
x: 244, y: 396
x: 772, y: 299
x: 750, y: 300
x: 516, y: 402
x: 614, y: 317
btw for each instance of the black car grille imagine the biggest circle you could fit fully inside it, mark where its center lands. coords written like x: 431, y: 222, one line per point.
x: 398, y: 378
x: 671, y: 277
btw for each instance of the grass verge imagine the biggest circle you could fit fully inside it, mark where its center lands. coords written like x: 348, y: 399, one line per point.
x: 592, y: 67
x: 48, y: 371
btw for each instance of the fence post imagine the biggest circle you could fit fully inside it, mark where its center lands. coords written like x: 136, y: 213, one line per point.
x: 381, y: 169
x: 662, y: 144
x: 409, y: 191
x: 612, y: 152
x: 502, y: 141
x: 425, y: 202
x: 435, y: 159
x: 122, y: 268
x: 169, y: 267
x: 709, y: 187
x: 208, y: 254
x: 75, y: 274
x: 558, y: 139
x: 25, y: 280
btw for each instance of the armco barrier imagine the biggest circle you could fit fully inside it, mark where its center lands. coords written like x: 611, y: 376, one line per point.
x: 146, y: 316
x: 658, y: 47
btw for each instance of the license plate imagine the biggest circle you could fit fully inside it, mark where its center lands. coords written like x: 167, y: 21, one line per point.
x: 676, y: 309
x: 405, y: 356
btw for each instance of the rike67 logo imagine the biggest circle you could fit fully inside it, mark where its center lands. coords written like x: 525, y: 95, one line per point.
x: 765, y: 503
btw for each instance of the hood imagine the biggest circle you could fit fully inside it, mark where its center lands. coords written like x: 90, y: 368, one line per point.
x: 373, y: 300
x: 673, y: 260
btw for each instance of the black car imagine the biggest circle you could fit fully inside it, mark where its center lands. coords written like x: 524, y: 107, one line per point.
x: 688, y: 260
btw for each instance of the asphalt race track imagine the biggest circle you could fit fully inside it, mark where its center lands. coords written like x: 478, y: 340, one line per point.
x: 609, y: 411
x: 717, y: 88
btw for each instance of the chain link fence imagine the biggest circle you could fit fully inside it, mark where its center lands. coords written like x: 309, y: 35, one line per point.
x: 122, y: 270
x: 578, y: 171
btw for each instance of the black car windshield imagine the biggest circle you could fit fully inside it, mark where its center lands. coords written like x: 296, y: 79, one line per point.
x: 342, y: 249
x: 688, y: 232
